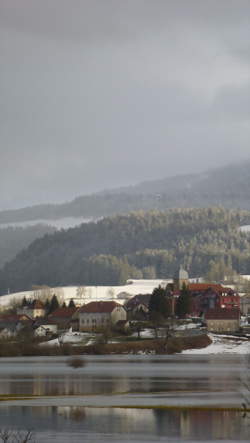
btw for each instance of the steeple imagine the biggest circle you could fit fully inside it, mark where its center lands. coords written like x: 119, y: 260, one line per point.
x: 180, y: 278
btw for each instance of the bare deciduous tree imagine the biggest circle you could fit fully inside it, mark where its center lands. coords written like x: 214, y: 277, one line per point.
x: 13, y: 436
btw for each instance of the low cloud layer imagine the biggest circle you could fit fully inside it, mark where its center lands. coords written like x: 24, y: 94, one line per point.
x: 97, y: 94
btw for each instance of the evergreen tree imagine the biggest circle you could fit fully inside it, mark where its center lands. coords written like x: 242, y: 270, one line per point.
x: 183, y: 304
x: 71, y: 303
x: 53, y: 304
x: 159, y: 304
x: 24, y: 302
x: 47, y: 305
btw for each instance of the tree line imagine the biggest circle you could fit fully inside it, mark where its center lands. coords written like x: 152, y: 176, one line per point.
x: 140, y: 245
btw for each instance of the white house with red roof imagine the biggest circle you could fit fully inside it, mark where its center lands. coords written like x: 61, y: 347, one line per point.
x: 100, y: 315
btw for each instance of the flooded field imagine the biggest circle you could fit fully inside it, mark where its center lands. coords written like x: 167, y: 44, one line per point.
x: 126, y: 398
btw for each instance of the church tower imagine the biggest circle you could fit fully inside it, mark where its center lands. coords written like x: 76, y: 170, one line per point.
x: 180, y: 278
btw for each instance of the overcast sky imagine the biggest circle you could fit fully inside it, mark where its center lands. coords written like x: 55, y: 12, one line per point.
x: 97, y: 94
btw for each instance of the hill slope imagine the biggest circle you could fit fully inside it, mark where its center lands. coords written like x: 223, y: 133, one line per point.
x: 227, y: 187
x: 139, y: 245
x: 13, y: 240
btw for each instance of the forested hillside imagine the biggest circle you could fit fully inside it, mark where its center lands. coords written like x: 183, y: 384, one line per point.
x: 13, y: 240
x: 139, y: 245
x: 227, y: 187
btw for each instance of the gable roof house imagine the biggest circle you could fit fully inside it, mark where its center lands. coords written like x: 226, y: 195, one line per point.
x: 223, y: 320
x: 137, y: 307
x: 64, y: 318
x: 32, y: 309
x: 207, y: 296
x: 11, y: 324
x: 100, y: 315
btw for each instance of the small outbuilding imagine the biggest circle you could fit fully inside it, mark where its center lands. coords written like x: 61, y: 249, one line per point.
x: 45, y: 329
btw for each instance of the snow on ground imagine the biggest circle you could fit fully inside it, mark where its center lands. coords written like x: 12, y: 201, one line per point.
x: 54, y: 342
x: 222, y: 345
x: 145, y: 333
x: 245, y: 228
x: 186, y: 326
x: 70, y: 338
x: 86, y: 294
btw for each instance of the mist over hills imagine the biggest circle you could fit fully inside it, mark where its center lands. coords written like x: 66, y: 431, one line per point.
x: 139, y: 245
x: 227, y: 187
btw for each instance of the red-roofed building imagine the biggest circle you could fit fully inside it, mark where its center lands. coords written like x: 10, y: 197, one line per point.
x: 64, y: 318
x: 100, y: 315
x: 223, y: 320
x: 207, y: 296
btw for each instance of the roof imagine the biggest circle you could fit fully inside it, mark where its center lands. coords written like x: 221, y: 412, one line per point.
x: 138, y: 299
x: 99, y: 307
x: 44, y: 322
x: 204, y: 286
x: 222, y: 314
x: 12, y: 318
x: 63, y: 313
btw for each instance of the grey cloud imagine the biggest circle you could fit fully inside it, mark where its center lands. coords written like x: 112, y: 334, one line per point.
x: 97, y: 94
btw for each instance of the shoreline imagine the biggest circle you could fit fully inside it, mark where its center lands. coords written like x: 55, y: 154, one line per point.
x: 157, y: 346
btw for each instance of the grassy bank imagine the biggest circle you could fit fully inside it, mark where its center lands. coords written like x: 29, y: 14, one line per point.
x: 160, y: 346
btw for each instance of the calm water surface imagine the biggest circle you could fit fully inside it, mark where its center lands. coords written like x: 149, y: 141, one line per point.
x: 100, y: 402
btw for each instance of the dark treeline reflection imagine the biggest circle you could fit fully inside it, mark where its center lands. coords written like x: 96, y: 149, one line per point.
x: 130, y: 423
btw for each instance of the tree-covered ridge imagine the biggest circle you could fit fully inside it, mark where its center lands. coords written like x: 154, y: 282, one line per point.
x: 148, y: 245
x: 226, y: 186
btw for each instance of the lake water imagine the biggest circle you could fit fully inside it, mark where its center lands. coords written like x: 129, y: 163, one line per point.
x: 121, y: 398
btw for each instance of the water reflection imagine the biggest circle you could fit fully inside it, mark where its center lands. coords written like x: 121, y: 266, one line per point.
x: 178, y: 377
x: 112, y: 375
x: 130, y: 423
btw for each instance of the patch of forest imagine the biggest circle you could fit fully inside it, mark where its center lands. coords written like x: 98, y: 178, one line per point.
x: 139, y: 245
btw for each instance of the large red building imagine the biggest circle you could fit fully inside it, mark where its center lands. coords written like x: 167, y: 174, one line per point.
x: 206, y: 296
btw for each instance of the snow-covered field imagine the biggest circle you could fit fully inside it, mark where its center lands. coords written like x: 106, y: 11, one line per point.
x: 86, y: 294
x: 245, y: 228
x: 222, y: 345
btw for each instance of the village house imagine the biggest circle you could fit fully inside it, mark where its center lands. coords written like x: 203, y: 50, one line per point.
x: 100, y: 315
x: 207, y: 296
x: 137, y: 307
x: 223, y: 320
x: 64, y: 318
x: 33, y: 309
x: 245, y: 304
x: 11, y: 324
